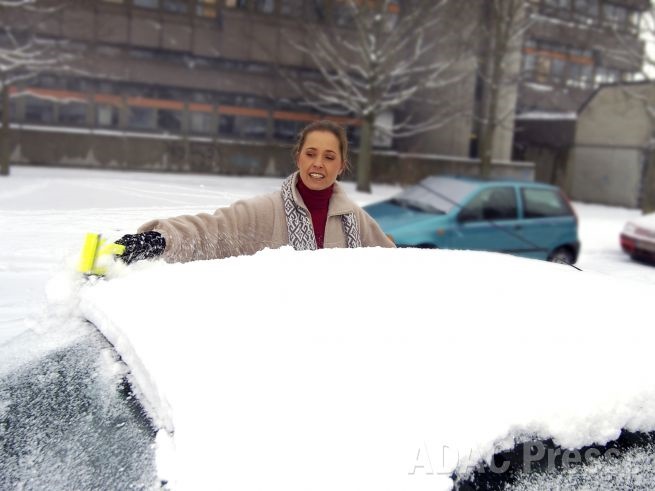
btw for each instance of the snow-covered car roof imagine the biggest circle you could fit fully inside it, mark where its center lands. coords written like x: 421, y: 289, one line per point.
x: 268, y: 378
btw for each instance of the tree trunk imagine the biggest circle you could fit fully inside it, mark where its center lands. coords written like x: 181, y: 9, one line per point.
x: 648, y: 193
x: 4, y: 132
x: 489, y: 126
x: 364, y: 158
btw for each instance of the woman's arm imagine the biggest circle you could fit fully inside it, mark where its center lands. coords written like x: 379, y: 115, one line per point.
x: 245, y: 227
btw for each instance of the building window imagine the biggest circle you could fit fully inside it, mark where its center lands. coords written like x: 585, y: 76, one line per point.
x: 353, y: 134
x: 558, y: 4
x: 579, y: 75
x: 529, y: 63
x: 72, y: 113
x: 558, y: 69
x: 107, y: 116
x: 39, y: 110
x: 142, y: 118
x: 206, y: 8
x: 606, y: 75
x: 200, y: 122
x: 616, y: 15
x: 546, y: 62
x: 587, y: 9
x: 343, y: 13
x: 265, y: 6
x: 287, y: 131
x: 243, y: 126
x: 291, y: 8
x: 169, y: 120
x: 316, y: 10
x: 542, y: 69
x: 236, y: 4
x: 146, y: 4
x: 177, y: 6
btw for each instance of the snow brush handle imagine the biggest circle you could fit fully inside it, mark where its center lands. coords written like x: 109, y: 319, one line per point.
x: 94, y: 248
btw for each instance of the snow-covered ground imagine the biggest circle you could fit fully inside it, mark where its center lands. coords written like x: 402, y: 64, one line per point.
x: 265, y: 377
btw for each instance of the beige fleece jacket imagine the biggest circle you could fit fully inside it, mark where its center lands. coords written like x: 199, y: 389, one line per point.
x: 250, y: 225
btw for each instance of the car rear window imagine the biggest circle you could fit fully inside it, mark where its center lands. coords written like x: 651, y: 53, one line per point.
x: 543, y: 203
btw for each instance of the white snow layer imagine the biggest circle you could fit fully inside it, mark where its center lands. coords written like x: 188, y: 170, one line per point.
x: 325, y: 370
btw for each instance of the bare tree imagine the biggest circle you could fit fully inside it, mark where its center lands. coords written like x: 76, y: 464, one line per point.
x: 374, y: 58
x: 502, y: 26
x: 23, y: 54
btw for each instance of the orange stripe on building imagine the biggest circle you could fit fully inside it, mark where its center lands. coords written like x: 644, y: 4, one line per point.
x: 342, y: 120
x: 583, y: 60
x: 196, y: 106
x: 155, y: 103
x: 243, y: 111
x: 294, y: 116
x: 108, y: 99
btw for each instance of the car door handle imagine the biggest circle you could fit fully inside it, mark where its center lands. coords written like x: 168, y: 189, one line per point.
x: 518, y: 227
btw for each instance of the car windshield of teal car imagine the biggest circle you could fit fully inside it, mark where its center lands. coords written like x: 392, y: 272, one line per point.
x: 435, y: 194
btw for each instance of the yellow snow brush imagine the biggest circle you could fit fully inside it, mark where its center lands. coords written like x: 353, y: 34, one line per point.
x: 97, y: 255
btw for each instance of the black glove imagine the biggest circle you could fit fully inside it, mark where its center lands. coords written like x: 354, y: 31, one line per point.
x: 141, y: 246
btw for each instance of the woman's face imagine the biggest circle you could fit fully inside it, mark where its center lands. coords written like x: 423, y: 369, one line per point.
x: 319, y: 160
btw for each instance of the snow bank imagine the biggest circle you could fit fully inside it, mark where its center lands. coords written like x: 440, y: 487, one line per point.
x: 357, y: 369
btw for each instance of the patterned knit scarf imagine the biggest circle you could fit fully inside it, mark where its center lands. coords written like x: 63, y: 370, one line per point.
x: 299, y: 223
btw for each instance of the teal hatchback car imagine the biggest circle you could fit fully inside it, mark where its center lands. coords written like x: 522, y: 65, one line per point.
x: 523, y: 218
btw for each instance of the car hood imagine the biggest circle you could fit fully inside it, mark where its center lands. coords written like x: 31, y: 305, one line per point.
x: 392, y: 217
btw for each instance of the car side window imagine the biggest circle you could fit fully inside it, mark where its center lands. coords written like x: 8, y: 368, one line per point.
x: 491, y: 204
x: 543, y: 203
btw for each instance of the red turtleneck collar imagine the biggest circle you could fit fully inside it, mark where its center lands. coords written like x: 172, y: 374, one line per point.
x: 317, y: 203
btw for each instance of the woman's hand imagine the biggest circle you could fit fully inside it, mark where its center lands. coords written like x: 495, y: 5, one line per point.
x: 141, y: 246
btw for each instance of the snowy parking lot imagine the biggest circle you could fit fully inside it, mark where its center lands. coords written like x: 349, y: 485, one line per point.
x: 44, y: 214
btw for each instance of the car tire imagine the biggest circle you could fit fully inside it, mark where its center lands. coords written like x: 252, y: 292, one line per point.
x: 562, y: 255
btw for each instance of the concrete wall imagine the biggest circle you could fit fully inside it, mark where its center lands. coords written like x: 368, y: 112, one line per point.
x: 606, y: 164
x: 616, y: 115
x: 610, y: 176
x: 144, y: 152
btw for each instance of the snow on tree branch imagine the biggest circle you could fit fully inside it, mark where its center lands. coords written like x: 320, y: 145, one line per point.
x: 382, y: 60
x: 23, y: 53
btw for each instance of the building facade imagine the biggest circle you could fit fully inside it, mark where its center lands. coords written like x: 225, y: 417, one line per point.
x: 571, y: 47
x: 203, y: 85
x: 175, y: 84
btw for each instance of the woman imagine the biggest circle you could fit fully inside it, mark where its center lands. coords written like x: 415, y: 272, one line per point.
x: 311, y: 211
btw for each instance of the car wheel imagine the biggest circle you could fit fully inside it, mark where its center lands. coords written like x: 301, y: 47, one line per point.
x: 562, y: 255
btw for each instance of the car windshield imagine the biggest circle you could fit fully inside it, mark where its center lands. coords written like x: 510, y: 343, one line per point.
x: 435, y: 194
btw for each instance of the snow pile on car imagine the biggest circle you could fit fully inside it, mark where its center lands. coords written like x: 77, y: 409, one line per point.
x: 373, y: 368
